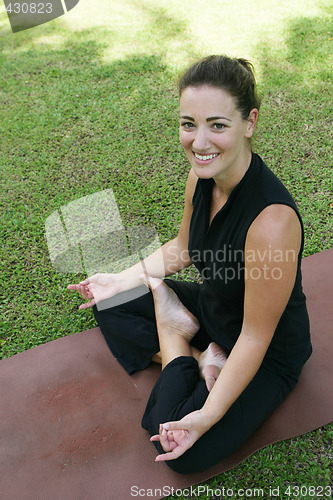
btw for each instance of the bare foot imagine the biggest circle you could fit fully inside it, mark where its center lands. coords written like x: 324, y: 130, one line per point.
x: 171, y: 314
x: 211, y: 363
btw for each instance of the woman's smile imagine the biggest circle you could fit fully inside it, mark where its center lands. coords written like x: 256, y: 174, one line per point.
x: 204, y: 159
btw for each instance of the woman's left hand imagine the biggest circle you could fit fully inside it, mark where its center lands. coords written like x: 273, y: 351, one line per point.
x: 177, y: 437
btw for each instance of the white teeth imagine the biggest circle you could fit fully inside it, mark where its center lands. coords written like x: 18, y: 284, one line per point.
x: 205, y: 157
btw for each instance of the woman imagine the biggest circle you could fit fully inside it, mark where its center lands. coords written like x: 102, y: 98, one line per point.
x: 233, y: 347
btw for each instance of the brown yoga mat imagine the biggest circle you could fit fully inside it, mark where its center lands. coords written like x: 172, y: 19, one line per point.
x: 70, y: 416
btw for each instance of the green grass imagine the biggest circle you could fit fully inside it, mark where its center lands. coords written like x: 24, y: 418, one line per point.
x: 90, y: 103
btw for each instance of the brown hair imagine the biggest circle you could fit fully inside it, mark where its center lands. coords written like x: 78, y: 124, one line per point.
x: 236, y: 76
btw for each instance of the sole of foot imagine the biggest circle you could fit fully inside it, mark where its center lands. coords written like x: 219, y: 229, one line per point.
x: 171, y: 314
x: 211, y: 363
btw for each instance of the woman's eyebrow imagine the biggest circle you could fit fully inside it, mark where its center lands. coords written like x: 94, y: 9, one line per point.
x: 185, y: 117
x: 211, y: 118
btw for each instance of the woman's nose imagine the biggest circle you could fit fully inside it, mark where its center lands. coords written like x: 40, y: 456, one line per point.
x: 201, y: 141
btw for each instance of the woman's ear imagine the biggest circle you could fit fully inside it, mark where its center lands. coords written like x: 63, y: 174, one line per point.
x: 251, y: 122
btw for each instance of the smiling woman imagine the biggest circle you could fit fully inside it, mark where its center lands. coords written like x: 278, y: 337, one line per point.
x: 233, y: 347
x: 220, y: 140
x: 219, y: 109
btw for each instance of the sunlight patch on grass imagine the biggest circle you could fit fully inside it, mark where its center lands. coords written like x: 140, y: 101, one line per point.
x: 179, y: 31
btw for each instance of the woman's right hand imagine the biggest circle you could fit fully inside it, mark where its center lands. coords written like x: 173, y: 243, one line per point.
x: 96, y: 288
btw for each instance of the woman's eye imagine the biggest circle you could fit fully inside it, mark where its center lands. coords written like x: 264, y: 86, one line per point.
x: 218, y: 126
x: 187, y: 125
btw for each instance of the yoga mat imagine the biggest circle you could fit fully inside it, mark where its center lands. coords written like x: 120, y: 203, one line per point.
x: 70, y: 416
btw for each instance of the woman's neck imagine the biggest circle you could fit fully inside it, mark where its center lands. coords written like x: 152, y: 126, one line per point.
x: 227, y: 181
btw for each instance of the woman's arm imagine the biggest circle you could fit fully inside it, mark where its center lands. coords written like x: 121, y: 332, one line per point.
x: 169, y: 259
x: 268, y: 286
x: 173, y: 255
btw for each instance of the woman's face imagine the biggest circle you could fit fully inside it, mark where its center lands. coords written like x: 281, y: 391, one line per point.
x: 213, y: 133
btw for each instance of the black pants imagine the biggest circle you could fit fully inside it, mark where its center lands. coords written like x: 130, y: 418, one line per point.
x: 130, y: 332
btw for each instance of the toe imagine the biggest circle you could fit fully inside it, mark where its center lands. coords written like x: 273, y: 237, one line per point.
x: 210, y: 381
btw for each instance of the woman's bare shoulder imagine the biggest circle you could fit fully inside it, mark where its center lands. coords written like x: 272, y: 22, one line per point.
x: 191, y: 183
x: 277, y: 224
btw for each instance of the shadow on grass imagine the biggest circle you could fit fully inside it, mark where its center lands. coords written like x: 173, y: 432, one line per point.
x: 75, y: 125
x: 308, y: 55
x: 295, y: 131
x: 162, y: 25
x: 59, y: 99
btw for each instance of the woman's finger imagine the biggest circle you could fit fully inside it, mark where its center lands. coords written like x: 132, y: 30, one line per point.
x: 175, y: 426
x: 155, y: 438
x: 73, y: 287
x: 85, y: 282
x: 88, y: 304
x: 172, y: 455
x: 91, y: 279
x: 78, y: 288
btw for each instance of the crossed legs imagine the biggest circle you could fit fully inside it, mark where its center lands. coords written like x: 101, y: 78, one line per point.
x: 130, y: 331
x: 176, y: 327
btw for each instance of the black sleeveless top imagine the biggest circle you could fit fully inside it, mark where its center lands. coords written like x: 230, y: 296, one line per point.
x: 217, y: 251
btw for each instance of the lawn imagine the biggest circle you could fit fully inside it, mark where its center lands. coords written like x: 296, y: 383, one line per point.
x: 89, y: 103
